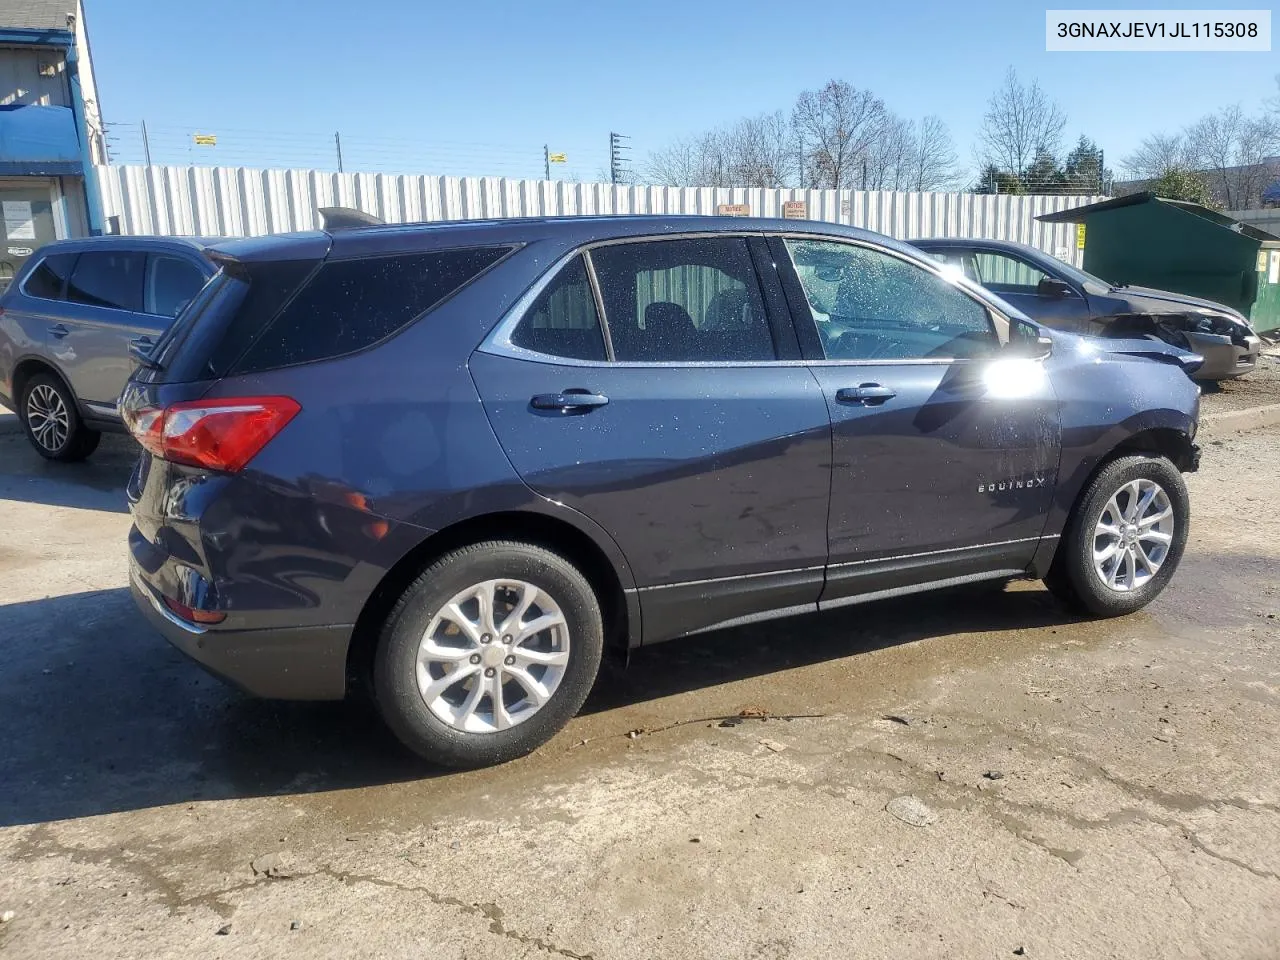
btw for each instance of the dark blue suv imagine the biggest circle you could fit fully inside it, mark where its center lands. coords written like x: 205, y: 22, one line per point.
x: 466, y: 461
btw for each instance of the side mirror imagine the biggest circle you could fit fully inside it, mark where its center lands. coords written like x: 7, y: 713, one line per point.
x: 1052, y: 287
x: 1027, y: 341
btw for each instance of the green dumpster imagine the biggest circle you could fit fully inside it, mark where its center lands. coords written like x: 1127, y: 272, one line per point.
x: 1148, y: 241
x: 1266, y: 309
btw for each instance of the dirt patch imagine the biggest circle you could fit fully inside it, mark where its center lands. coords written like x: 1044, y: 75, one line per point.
x: 1258, y: 388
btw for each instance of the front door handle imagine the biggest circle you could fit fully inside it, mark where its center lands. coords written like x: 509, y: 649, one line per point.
x: 569, y: 401
x: 59, y: 330
x: 867, y: 394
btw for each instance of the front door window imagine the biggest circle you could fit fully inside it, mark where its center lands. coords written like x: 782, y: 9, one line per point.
x: 869, y: 305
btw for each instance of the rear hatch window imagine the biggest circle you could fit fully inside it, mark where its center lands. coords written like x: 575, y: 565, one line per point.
x: 261, y: 315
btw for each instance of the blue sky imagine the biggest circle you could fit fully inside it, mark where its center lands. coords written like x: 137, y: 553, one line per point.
x: 479, y: 87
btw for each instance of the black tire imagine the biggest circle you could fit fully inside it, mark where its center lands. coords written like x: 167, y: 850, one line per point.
x: 395, y: 674
x: 1072, y: 577
x: 78, y: 442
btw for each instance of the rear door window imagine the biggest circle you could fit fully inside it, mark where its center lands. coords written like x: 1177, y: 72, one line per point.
x: 563, y: 321
x: 172, y: 283
x: 108, y: 279
x: 49, y: 279
x: 683, y: 301
x: 352, y: 304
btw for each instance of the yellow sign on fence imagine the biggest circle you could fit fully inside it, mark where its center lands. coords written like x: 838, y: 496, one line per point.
x: 1079, y: 236
x: 206, y: 140
x: 558, y: 157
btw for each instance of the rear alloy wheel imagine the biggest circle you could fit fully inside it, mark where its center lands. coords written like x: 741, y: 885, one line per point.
x: 488, y: 653
x: 1124, y: 539
x: 52, y: 422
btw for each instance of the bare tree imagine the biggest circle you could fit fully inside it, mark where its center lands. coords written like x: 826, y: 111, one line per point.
x: 933, y: 163
x: 1235, y: 152
x: 1020, y: 124
x: 760, y: 151
x: 1157, y: 155
x: 675, y: 165
x: 835, y: 127
x: 754, y: 152
x: 699, y: 161
x: 888, y: 157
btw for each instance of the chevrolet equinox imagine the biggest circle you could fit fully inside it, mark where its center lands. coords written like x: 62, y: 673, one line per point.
x: 463, y: 462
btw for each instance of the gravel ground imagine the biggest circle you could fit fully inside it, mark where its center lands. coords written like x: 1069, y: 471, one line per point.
x: 1258, y: 388
x: 967, y: 774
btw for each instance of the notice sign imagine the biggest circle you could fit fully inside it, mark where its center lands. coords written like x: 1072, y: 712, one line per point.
x: 795, y: 210
x: 19, y: 224
x: 1079, y: 236
x: 733, y: 210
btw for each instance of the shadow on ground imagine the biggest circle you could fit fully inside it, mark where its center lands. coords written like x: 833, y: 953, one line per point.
x: 96, y: 484
x: 100, y: 715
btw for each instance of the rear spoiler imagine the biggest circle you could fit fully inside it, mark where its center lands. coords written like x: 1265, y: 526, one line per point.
x: 347, y: 218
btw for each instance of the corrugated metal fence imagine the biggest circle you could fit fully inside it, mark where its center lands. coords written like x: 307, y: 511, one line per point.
x: 237, y: 201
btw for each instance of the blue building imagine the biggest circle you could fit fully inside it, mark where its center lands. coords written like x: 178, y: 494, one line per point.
x: 50, y: 129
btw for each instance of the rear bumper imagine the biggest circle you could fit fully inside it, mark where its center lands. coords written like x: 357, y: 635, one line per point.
x: 303, y: 663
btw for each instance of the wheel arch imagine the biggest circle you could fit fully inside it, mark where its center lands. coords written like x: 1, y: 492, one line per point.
x: 1162, y: 441
x: 27, y: 367
x: 619, y: 606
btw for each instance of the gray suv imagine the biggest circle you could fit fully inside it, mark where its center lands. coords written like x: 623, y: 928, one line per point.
x: 67, y: 323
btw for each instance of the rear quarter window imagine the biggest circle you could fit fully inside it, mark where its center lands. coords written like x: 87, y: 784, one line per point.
x: 352, y: 304
x: 48, y: 280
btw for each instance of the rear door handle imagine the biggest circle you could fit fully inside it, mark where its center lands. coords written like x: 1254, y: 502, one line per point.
x: 867, y: 394
x: 569, y: 401
x: 59, y: 330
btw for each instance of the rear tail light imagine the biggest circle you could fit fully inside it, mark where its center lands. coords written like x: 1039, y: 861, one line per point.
x: 222, y: 434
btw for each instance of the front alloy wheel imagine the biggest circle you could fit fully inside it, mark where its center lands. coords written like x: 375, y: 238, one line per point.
x: 1124, y: 538
x: 1132, y: 536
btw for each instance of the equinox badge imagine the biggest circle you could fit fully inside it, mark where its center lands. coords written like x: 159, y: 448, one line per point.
x: 1027, y: 483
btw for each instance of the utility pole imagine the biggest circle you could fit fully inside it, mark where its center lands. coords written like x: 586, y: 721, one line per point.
x: 616, y: 159
x: 146, y: 143
x: 546, y: 162
x: 337, y: 144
